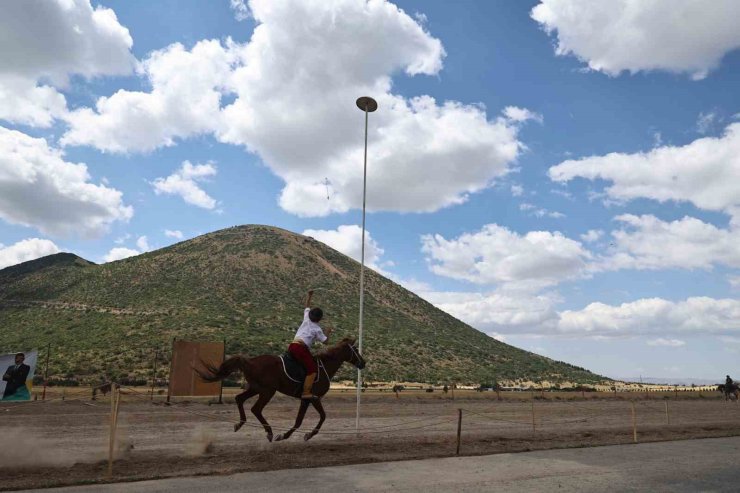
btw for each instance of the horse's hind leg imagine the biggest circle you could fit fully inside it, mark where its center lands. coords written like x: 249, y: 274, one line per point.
x: 322, y: 416
x: 240, y: 399
x: 298, y: 422
x: 262, y: 401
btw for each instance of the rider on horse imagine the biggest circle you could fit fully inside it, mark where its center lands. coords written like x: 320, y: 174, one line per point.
x: 300, y: 348
x: 729, y: 383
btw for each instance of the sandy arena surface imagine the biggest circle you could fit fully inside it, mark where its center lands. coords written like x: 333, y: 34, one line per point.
x: 57, y: 442
x: 710, y: 464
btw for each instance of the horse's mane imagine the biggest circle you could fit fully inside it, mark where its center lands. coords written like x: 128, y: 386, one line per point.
x: 332, y: 351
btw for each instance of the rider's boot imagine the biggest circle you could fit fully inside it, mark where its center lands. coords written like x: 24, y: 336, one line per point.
x: 308, y: 386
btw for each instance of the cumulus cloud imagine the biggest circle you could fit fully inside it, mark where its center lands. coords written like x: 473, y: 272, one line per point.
x: 646, y: 242
x: 423, y: 155
x: 55, y: 38
x: 704, y: 172
x: 517, y: 190
x: 120, y: 253
x: 38, y: 188
x: 26, y: 250
x: 517, y: 114
x: 143, y: 244
x: 348, y: 240
x: 700, y: 315
x: 661, y: 341
x: 176, y: 234
x: 521, y: 313
x: 241, y: 9
x: 499, y: 311
x: 705, y: 122
x: 22, y: 101
x: 51, y: 40
x: 184, y: 101
x: 592, y: 235
x: 185, y: 183
x: 496, y: 255
x: 612, y: 36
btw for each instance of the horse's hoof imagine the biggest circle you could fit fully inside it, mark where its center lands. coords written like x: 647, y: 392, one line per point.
x: 279, y: 437
x: 239, y: 425
x: 269, y: 437
x: 309, y: 435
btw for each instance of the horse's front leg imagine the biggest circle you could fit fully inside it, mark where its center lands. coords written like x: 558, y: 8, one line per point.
x: 240, y: 399
x: 298, y: 422
x: 322, y: 416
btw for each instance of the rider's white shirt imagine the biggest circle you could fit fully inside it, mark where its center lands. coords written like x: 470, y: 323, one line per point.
x: 309, y: 332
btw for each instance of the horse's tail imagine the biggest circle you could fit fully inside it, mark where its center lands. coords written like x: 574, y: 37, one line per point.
x: 229, y: 366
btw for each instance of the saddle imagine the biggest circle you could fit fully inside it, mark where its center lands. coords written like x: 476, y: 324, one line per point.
x: 296, y: 372
x: 293, y: 368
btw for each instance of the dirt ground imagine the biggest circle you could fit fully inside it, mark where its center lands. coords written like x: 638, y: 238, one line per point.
x: 59, y: 442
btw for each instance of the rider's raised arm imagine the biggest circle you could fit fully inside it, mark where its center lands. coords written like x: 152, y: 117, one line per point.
x: 323, y: 334
x: 307, y: 304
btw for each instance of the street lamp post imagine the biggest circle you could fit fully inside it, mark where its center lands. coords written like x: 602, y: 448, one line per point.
x: 368, y: 105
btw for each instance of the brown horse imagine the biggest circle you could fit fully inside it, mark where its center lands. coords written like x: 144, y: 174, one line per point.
x: 265, y: 375
x: 732, y: 393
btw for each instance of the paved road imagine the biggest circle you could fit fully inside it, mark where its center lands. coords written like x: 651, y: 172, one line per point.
x: 693, y: 465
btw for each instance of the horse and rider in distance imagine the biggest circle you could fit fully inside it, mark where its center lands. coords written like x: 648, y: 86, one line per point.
x: 297, y: 373
x: 730, y: 389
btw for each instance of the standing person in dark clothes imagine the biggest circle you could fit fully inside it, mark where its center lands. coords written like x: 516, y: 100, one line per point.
x: 15, y: 376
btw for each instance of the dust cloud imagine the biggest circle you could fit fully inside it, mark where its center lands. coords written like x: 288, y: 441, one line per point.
x: 23, y: 447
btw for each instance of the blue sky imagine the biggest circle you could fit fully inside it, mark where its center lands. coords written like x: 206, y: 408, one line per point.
x: 557, y: 183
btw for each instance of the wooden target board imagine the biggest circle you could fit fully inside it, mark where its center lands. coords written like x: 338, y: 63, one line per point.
x: 187, y: 355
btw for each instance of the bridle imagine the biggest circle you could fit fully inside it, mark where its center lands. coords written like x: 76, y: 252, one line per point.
x: 355, y: 353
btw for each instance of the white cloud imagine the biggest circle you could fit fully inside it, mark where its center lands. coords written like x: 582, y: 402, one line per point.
x: 143, y: 244
x: 496, y: 255
x: 500, y: 311
x: 50, y: 40
x: 734, y: 280
x: 705, y: 122
x: 176, y: 234
x: 120, y: 253
x: 24, y: 102
x: 26, y: 250
x: 533, y: 210
x: 415, y: 286
x: 184, y: 101
x: 704, y: 172
x: 38, y: 188
x: 55, y: 38
x: 241, y: 10
x: 517, y: 114
x: 122, y: 239
x: 517, y: 190
x: 563, y: 193
x: 592, y: 235
x: 646, y: 242
x: 422, y: 156
x: 700, y: 315
x: 185, y: 183
x: 348, y: 240
x: 660, y: 341
x: 612, y: 36
x: 657, y: 139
